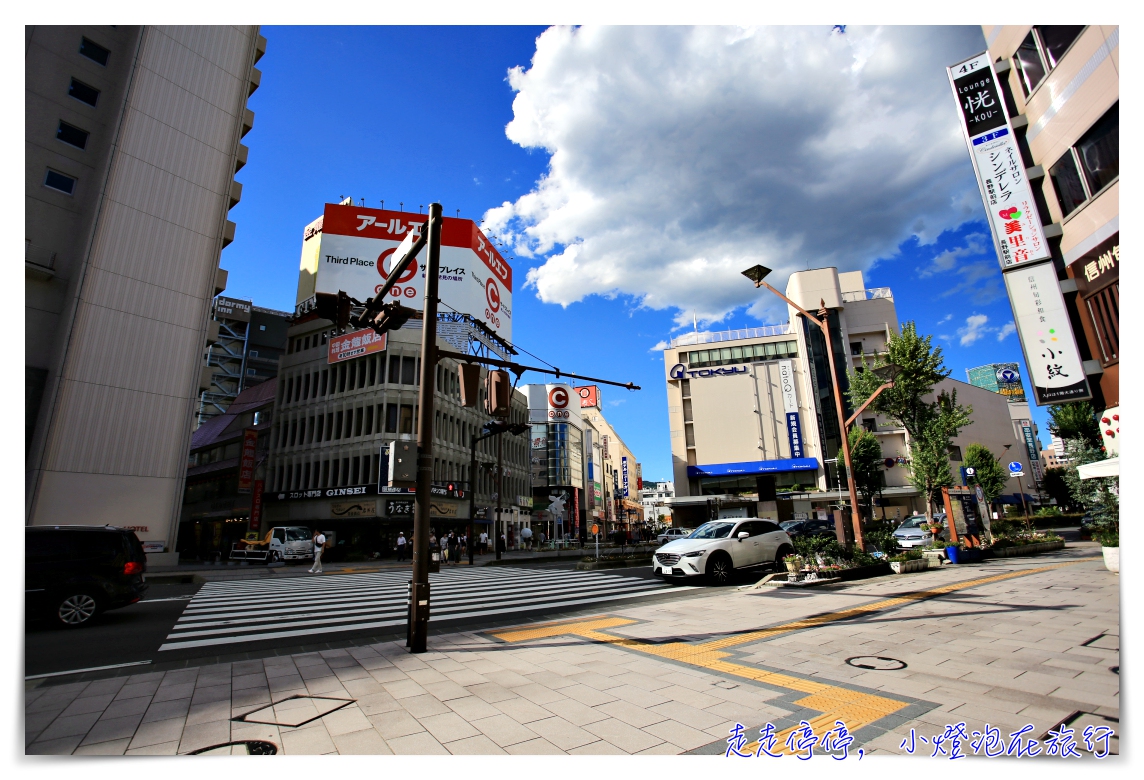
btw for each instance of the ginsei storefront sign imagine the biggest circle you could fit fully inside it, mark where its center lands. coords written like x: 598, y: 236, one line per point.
x: 1013, y: 218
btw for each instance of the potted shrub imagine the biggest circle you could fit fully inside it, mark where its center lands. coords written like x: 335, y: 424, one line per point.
x: 1110, y: 546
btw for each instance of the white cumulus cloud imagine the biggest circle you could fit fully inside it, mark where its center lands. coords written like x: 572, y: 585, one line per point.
x: 975, y: 328
x: 680, y: 156
x: 1008, y: 329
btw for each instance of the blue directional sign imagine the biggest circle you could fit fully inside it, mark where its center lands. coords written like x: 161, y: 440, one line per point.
x: 1015, y: 467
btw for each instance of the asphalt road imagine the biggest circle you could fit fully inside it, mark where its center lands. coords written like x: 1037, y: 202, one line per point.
x: 264, y: 622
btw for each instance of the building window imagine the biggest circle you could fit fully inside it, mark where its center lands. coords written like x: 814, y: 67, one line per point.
x: 83, y: 93
x: 1090, y: 165
x: 93, y: 51
x: 870, y: 424
x: 1104, y: 308
x: 685, y: 387
x: 955, y: 452
x: 72, y: 135
x: 60, y: 181
x: 1040, y: 52
x: 251, y: 372
x: 254, y: 353
x: 751, y: 353
x: 855, y: 347
x: 262, y: 327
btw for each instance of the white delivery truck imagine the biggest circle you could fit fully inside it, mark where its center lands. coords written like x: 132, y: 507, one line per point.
x: 284, y: 543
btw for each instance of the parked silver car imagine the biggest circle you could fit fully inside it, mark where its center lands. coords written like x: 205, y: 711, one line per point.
x: 671, y: 534
x: 913, y: 532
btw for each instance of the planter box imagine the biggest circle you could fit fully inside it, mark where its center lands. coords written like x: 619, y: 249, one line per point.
x: 1111, y: 559
x: 963, y: 554
x: 593, y: 565
x: 863, y: 572
x: 1024, y: 549
x: 934, y: 558
x: 905, y: 567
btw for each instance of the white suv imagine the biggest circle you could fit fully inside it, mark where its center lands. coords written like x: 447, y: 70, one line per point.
x: 671, y: 534
x: 717, y: 549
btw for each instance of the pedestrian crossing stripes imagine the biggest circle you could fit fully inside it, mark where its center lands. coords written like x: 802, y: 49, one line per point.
x: 226, y: 613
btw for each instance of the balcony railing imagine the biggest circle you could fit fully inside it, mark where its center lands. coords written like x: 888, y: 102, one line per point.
x: 866, y: 295
x: 711, y: 337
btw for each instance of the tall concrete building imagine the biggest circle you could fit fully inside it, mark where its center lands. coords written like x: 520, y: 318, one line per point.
x: 132, y: 140
x: 336, y: 414
x: 1062, y: 87
x: 752, y: 411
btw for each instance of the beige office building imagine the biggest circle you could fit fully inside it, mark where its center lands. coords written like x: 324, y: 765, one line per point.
x: 752, y: 411
x: 132, y: 140
x: 1063, y: 91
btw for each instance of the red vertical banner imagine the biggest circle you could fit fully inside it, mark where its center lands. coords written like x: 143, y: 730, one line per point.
x: 576, y: 510
x: 246, y: 464
x: 256, y: 506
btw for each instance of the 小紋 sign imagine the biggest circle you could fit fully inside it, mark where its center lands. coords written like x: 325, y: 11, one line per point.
x: 354, y: 345
x: 1051, y: 354
x: 1016, y: 226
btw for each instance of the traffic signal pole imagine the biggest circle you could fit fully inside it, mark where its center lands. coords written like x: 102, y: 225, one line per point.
x: 419, y: 588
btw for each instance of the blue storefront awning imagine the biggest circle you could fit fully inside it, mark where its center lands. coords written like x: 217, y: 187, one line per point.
x: 749, y: 468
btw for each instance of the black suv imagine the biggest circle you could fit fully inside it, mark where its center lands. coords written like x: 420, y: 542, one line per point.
x: 72, y: 573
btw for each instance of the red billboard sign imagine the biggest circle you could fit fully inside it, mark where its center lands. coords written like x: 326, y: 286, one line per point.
x: 354, y: 345
x: 246, y: 465
x: 589, y: 396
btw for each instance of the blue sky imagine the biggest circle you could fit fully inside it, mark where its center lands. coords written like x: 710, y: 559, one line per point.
x: 636, y: 173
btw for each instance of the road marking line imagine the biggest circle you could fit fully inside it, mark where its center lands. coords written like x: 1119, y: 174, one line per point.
x: 88, y: 669
x: 856, y: 709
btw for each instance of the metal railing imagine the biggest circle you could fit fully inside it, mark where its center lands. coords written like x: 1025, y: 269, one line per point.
x: 711, y: 337
x: 866, y: 295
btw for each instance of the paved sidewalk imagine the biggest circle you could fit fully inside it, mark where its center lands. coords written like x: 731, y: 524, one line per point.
x: 1009, y: 642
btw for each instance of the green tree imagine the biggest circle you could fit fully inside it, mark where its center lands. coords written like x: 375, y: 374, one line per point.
x: 988, y: 471
x: 930, y: 424
x: 920, y: 368
x: 1100, y: 496
x: 866, y: 458
x: 1074, y: 422
x: 929, y: 451
x: 1055, y: 485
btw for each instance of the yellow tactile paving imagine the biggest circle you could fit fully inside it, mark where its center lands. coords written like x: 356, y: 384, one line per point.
x: 856, y: 709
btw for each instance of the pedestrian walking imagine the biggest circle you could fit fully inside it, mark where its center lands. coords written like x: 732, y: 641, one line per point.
x: 526, y: 537
x: 401, y: 545
x: 451, y: 545
x: 484, y: 543
x: 319, y: 545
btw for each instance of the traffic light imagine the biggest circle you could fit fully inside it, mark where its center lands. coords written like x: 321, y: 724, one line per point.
x: 392, y: 316
x: 335, y: 308
x: 470, y: 381
x: 498, y: 391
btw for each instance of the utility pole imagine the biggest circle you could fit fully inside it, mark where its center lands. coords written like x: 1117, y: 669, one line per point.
x: 500, y: 485
x: 419, y: 588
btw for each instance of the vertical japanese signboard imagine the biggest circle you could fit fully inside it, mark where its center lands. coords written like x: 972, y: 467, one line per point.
x: 1013, y: 218
x: 246, y: 464
x: 624, y: 467
x: 1046, y: 335
x: 790, y: 406
x: 256, y: 506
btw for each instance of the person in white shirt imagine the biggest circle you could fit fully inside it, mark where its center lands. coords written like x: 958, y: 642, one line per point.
x: 401, y: 544
x: 526, y: 537
x: 319, y: 545
x: 484, y: 542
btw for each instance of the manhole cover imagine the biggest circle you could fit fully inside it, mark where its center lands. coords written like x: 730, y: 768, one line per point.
x: 246, y: 747
x: 295, y: 711
x: 878, y: 663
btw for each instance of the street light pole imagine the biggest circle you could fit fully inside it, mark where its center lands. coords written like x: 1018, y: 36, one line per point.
x: 756, y: 275
x: 419, y: 587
